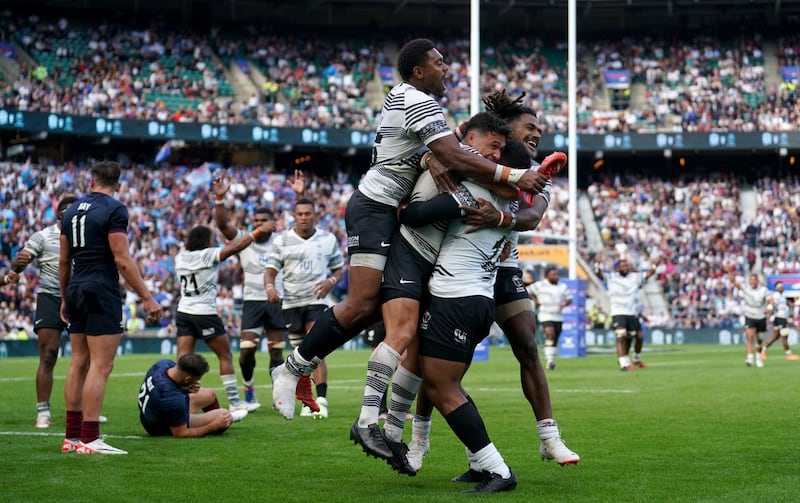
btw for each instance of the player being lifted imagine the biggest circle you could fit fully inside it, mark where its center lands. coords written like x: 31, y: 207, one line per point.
x: 411, y: 122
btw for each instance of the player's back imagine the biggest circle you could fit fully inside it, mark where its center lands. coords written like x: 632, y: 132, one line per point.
x: 87, y: 224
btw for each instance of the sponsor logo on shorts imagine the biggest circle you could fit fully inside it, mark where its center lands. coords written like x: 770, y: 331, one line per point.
x: 517, y: 280
x: 384, y: 244
x: 207, y: 331
x: 37, y: 322
x: 426, y: 317
x: 406, y: 281
x: 460, y: 336
x: 352, y: 241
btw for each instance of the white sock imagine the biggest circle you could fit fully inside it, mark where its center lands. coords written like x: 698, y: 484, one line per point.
x: 421, y: 426
x: 380, y: 367
x: 489, y: 459
x: 547, y: 428
x: 404, y: 389
x: 231, y: 390
x: 473, y: 460
x: 624, y: 361
x: 636, y: 357
x: 550, y: 353
x: 249, y: 383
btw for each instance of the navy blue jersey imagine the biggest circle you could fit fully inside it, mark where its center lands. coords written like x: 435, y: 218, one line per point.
x: 87, y: 224
x: 162, y: 402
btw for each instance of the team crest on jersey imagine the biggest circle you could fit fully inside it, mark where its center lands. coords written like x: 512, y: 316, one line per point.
x: 426, y: 317
x: 352, y: 241
x: 263, y: 258
x: 459, y: 336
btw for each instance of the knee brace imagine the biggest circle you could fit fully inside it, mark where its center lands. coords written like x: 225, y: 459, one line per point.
x: 784, y: 331
x: 276, y: 344
x: 248, y: 344
x: 620, y: 333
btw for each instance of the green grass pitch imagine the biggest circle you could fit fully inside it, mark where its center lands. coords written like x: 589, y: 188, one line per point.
x: 696, y: 425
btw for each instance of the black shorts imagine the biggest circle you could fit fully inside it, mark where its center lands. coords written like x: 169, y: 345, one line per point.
x: 760, y: 324
x: 629, y: 323
x: 199, y: 326
x: 48, y: 313
x: 509, y: 286
x: 375, y: 334
x: 370, y: 225
x: 779, y: 323
x: 94, y: 308
x: 406, y: 274
x: 260, y: 314
x: 555, y: 324
x: 297, y: 317
x: 450, y: 329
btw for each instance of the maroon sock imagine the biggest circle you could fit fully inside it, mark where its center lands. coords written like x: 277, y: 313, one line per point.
x: 212, y: 406
x: 74, y: 420
x: 90, y: 431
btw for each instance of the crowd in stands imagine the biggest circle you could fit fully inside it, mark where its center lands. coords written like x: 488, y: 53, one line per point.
x: 696, y: 228
x: 163, y: 206
x: 690, y: 82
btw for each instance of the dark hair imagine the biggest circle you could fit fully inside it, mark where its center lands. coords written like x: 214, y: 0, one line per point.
x: 265, y: 211
x: 106, y: 173
x: 193, y: 364
x: 64, y: 203
x: 509, y: 109
x: 198, y: 239
x: 488, y: 122
x: 414, y: 53
x: 515, y: 155
x: 304, y: 200
x: 550, y: 268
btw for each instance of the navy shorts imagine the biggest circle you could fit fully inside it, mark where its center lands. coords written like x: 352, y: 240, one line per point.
x: 759, y: 324
x: 94, y: 308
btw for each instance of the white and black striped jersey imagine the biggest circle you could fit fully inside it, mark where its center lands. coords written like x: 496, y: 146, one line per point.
x: 780, y: 306
x: 197, y: 273
x: 550, y: 297
x: 513, y: 257
x: 254, y: 260
x: 410, y: 119
x: 304, y: 263
x: 45, y: 246
x: 428, y: 239
x: 755, y: 301
x: 467, y: 263
x: 623, y: 292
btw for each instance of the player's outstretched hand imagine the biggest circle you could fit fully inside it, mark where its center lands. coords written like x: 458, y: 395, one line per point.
x: 153, y: 309
x: 219, y: 187
x: 298, y: 182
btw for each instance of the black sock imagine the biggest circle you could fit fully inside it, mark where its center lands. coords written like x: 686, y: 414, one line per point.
x: 322, y: 390
x: 247, y: 362
x: 325, y: 336
x: 468, y: 426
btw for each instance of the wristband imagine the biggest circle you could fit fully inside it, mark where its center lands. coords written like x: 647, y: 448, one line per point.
x: 333, y: 280
x: 501, y: 173
x: 5, y: 279
x: 514, y: 175
x: 219, y: 202
x: 270, y: 285
x: 500, y: 223
x: 256, y: 233
x: 424, y: 161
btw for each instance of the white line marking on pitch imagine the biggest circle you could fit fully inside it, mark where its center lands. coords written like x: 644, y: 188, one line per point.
x: 45, y: 434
